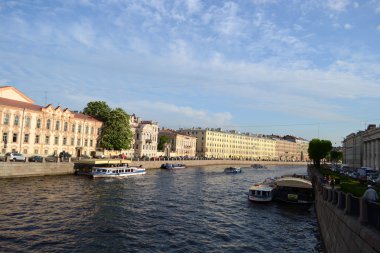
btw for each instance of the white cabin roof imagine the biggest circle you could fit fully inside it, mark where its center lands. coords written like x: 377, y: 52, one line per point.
x: 294, y: 182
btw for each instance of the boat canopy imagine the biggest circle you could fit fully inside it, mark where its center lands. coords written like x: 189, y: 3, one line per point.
x: 294, y: 182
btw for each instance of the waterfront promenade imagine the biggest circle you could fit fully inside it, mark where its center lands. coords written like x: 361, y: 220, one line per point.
x: 21, y: 169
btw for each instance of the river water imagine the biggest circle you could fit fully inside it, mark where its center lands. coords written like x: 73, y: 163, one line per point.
x: 184, y: 210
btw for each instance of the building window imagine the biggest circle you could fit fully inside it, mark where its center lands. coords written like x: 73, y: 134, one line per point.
x: 65, y: 127
x: 27, y: 122
x: 91, y: 142
x: 56, y: 140
x: 37, y: 139
x: 85, y: 142
x: 47, y: 139
x: 79, y: 128
x: 36, y: 151
x: 5, y: 138
x: 48, y: 124
x: 26, y: 138
x: 78, y: 142
x: 72, y: 141
x: 14, y: 137
x: 73, y: 128
x: 92, y: 130
x: 57, y: 125
x: 38, y: 125
x: 99, y: 131
x: 6, y: 119
x: 46, y: 151
x: 16, y: 120
x: 86, y: 129
x: 64, y: 141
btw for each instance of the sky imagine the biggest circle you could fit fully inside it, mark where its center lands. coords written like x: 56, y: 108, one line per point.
x: 302, y: 67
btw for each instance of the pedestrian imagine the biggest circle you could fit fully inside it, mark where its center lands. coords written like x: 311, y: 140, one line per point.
x: 332, y: 183
x: 370, y: 194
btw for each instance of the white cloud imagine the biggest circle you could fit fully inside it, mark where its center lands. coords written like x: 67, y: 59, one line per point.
x: 193, y: 6
x: 83, y: 33
x: 347, y: 26
x: 338, y: 5
x: 178, y: 115
x: 259, y: 2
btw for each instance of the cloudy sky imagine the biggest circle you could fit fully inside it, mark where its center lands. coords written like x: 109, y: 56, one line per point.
x: 307, y: 68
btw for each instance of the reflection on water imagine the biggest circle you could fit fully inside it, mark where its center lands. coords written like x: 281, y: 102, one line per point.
x: 188, y: 210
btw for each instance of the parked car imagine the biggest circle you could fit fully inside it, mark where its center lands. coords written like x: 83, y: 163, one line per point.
x: 16, y: 157
x: 51, y: 158
x: 85, y: 157
x: 36, y: 158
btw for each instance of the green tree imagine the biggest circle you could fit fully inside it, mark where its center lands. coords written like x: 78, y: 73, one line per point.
x: 116, y: 132
x: 319, y: 149
x: 161, y: 142
x: 336, y: 156
x: 98, y: 109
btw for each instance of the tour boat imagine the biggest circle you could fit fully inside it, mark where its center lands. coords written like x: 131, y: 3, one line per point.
x: 173, y: 166
x: 258, y: 166
x: 232, y: 170
x: 294, y: 190
x: 261, y: 192
x: 122, y: 171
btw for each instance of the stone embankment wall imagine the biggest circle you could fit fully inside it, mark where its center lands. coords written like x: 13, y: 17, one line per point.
x: 20, y: 169
x: 343, y: 220
x: 194, y: 163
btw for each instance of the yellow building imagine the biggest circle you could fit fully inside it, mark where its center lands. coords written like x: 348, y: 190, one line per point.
x: 215, y: 143
x: 36, y: 130
x: 179, y: 144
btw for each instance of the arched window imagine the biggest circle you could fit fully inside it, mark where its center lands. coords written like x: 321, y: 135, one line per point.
x: 48, y: 122
x: 38, y: 123
x: 65, y: 126
x: 27, y: 122
x: 16, y: 120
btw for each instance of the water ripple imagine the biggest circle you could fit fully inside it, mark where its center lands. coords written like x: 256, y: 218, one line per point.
x: 191, y: 210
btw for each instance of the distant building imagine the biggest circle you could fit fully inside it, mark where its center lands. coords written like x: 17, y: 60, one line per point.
x: 363, y: 148
x: 180, y: 144
x: 43, y: 130
x: 145, y: 137
x: 215, y: 143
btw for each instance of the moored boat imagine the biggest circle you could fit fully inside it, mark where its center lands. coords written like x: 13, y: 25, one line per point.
x: 122, y: 171
x: 173, y: 166
x: 294, y: 190
x: 261, y: 192
x: 232, y: 170
x: 258, y: 166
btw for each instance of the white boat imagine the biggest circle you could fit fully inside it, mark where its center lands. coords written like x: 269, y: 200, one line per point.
x: 122, y: 171
x: 232, y: 170
x: 261, y: 192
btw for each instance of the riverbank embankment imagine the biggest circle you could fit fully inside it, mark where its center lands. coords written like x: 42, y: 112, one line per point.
x: 347, y: 223
x: 20, y: 169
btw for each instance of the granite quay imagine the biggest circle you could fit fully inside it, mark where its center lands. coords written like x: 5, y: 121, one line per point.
x: 347, y: 223
x: 63, y: 167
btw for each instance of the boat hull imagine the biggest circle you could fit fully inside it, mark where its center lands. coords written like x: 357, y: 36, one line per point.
x: 116, y: 172
x: 116, y: 175
x: 260, y: 200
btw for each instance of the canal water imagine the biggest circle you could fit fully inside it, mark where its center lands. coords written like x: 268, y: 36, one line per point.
x: 184, y: 210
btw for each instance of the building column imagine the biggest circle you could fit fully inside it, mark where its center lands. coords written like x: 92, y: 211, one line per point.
x: 372, y: 154
x: 364, y: 154
x: 368, y: 156
x: 378, y: 154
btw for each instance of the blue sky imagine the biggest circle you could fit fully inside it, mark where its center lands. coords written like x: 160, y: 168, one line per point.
x: 306, y: 68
